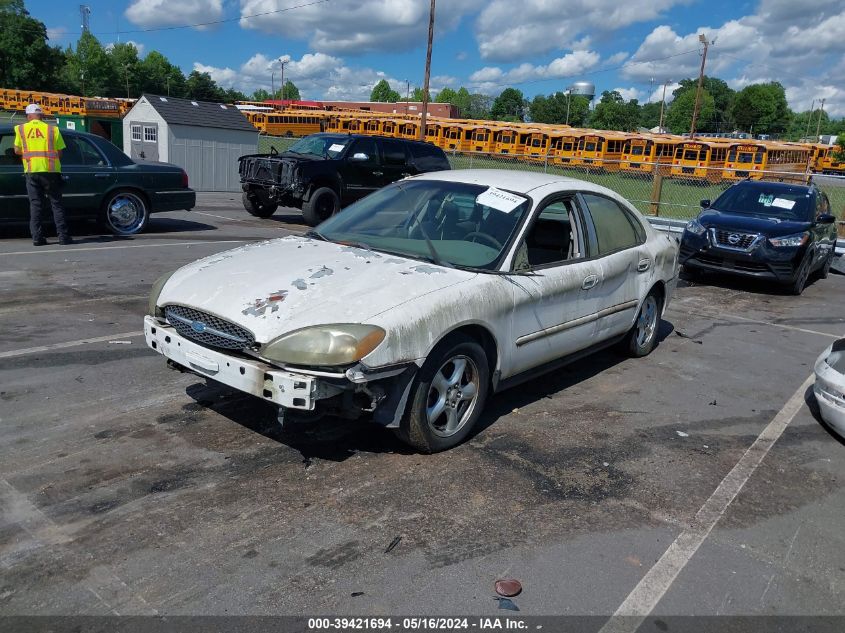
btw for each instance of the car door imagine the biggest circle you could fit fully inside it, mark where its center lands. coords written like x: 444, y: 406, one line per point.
x: 87, y: 175
x: 14, y: 202
x: 394, y: 160
x: 556, y: 295
x: 824, y: 235
x: 626, y: 265
x: 361, y: 170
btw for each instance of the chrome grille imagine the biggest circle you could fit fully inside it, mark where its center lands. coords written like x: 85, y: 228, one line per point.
x: 207, y: 329
x: 734, y: 239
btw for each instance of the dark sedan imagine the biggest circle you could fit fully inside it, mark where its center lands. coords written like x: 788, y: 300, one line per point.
x: 769, y: 230
x: 101, y: 183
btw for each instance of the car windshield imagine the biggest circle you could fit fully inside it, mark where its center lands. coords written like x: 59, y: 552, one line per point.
x: 449, y: 223
x: 326, y: 146
x: 779, y: 202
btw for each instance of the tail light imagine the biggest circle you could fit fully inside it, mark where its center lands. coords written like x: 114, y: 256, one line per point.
x: 184, y: 179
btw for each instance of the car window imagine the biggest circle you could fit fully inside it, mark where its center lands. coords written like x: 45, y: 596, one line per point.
x: 7, y: 150
x: 393, y: 152
x: 72, y: 154
x: 552, y: 238
x: 366, y: 146
x: 615, y: 229
x: 90, y: 155
x: 428, y: 157
x: 825, y: 203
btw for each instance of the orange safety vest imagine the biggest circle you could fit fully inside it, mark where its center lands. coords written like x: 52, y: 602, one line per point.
x: 40, y: 143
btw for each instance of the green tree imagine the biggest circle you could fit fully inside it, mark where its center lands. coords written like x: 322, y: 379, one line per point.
x: 124, y: 59
x: 201, y: 87
x: 649, y: 115
x: 159, y: 76
x: 805, y: 124
x: 762, y: 107
x: 508, y: 106
x: 231, y: 95
x: 447, y: 95
x: 88, y: 69
x: 27, y: 62
x: 553, y: 109
x: 464, y: 103
x: 260, y: 95
x: 723, y: 97
x: 384, y: 93
x: 679, y: 116
x: 479, y: 107
x: 290, y: 91
x: 613, y: 113
x: 418, y: 94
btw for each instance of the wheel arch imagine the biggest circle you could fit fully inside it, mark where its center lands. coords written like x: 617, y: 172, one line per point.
x: 482, y: 335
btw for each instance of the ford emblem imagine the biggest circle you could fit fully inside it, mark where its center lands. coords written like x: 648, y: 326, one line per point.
x: 198, y: 326
x: 734, y: 238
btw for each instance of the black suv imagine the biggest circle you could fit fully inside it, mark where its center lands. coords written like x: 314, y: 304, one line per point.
x: 770, y: 230
x: 323, y: 172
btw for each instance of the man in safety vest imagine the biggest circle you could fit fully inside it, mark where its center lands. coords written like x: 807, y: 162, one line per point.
x: 40, y: 146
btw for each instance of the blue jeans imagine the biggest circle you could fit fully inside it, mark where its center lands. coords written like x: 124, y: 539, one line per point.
x: 41, y: 185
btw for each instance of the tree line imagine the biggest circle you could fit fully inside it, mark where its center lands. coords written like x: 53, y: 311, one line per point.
x: 28, y: 62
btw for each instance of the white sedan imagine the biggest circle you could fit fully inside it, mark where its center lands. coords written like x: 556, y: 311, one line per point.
x: 416, y: 303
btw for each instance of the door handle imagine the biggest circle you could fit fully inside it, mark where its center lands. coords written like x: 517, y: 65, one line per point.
x: 589, y: 282
x: 102, y: 175
x: 65, y: 178
x: 644, y: 265
x: 405, y: 174
x: 378, y: 173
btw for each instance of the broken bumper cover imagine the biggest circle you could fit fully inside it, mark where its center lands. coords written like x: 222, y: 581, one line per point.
x: 829, y: 387
x: 288, y: 389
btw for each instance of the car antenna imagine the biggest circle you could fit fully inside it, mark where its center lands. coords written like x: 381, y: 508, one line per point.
x: 273, y: 150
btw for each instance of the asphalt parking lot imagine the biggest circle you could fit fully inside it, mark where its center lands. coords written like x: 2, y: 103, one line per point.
x: 127, y: 488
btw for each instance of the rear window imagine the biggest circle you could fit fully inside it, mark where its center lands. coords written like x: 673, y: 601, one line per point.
x: 428, y: 157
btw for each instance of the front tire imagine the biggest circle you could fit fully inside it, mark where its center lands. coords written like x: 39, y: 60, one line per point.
x: 125, y: 212
x: 824, y: 271
x: 797, y: 286
x: 258, y: 205
x: 642, y: 338
x: 448, y: 396
x: 322, y: 205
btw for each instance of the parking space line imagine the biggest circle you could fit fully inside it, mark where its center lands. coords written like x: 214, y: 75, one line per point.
x: 47, y: 348
x: 74, y: 249
x: 222, y: 217
x: 736, y: 317
x: 657, y: 581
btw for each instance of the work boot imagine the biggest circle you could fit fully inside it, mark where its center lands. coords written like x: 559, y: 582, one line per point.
x: 41, y: 242
x: 65, y: 241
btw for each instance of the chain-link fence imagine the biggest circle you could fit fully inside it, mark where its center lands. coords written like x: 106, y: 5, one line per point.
x: 656, y: 189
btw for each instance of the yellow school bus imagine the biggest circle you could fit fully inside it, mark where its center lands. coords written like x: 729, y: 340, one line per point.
x: 458, y: 136
x: 563, y: 146
x: 640, y: 154
x: 750, y: 160
x: 828, y: 163
x: 700, y: 160
x: 506, y: 141
x: 536, y: 144
x: 409, y: 130
x: 434, y: 133
x: 481, y: 139
x: 372, y: 127
x: 602, y: 150
x: 390, y: 127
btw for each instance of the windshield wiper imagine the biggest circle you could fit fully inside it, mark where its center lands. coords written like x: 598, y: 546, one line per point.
x: 435, y: 257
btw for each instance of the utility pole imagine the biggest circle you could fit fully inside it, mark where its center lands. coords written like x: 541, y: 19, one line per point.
x: 819, y: 124
x: 663, y: 105
x: 568, y: 99
x: 407, y: 94
x: 126, y: 70
x: 703, y: 40
x: 282, y: 89
x: 272, y: 84
x: 810, y: 118
x: 424, y: 113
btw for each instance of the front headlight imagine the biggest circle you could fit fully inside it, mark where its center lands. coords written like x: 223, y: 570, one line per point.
x: 798, y: 239
x: 695, y: 227
x: 155, y: 292
x: 325, y: 345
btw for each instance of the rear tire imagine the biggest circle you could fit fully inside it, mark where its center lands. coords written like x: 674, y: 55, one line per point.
x: 322, y: 205
x: 642, y: 338
x: 259, y: 205
x: 448, y: 396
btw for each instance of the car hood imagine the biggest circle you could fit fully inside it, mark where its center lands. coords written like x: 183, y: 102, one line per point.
x: 281, y: 285
x: 751, y: 223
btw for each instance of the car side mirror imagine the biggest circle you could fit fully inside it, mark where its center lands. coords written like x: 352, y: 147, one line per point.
x: 705, y: 204
x: 826, y: 218
x: 360, y: 156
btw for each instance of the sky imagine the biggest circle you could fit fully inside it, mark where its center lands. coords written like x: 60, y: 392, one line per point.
x: 338, y: 49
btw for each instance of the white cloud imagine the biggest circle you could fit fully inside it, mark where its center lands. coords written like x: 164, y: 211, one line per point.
x: 56, y: 33
x: 630, y: 93
x: 493, y: 78
x: 509, y: 32
x: 155, y: 13
x: 658, y: 94
x: 354, y: 27
x: 317, y: 75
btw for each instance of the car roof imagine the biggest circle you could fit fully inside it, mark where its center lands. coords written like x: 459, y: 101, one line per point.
x: 510, y: 179
x: 771, y: 185
x: 392, y: 138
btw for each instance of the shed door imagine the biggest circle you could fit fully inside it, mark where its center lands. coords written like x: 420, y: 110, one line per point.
x: 144, y: 141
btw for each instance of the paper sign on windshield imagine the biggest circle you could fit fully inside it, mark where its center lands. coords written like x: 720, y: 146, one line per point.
x: 783, y: 203
x: 336, y: 148
x: 500, y: 200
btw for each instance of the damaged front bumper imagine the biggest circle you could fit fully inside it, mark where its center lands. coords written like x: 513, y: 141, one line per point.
x: 382, y: 392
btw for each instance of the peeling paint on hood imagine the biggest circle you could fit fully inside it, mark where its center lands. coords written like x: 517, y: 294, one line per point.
x: 277, y: 286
